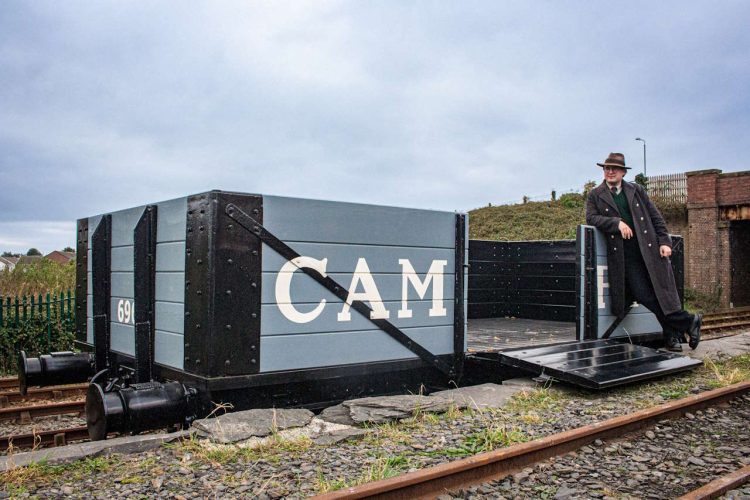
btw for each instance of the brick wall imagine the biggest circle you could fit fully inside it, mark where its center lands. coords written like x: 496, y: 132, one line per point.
x: 708, y: 259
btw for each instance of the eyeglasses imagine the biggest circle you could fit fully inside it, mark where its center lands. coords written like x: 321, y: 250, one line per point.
x: 611, y: 169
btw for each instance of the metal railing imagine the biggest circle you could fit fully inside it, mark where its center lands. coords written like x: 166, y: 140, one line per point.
x: 54, y: 307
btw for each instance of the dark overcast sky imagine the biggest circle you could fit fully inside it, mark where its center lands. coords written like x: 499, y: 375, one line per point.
x: 446, y: 105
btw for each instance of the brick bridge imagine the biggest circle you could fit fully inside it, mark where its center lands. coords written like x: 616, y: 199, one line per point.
x: 719, y: 235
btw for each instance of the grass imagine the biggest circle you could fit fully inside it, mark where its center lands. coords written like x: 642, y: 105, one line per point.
x: 546, y: 220
x: 728, y: 372
x: 389, y: 433
x: 532, y: 400
x: 272, y: 449
x: 16, y: 480
x: 381, y: 468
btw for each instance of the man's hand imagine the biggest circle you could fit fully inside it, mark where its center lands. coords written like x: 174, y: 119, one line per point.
x: 665, y: 251
x: 625, y: 230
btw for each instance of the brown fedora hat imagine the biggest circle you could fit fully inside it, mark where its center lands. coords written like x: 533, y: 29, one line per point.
x: 614, y: 160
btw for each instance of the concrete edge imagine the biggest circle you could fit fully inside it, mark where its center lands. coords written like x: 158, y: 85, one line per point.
x: 73, y: 452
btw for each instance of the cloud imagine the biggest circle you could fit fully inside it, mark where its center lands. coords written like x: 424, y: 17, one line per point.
x: 425, y: 104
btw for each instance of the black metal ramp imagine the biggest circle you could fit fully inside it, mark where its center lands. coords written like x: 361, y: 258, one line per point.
x: 597, y: 364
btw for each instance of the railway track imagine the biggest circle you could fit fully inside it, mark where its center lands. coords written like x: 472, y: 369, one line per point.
x: 486, y: 467
x: 42, y: 439
x: 43, y: 393
x: 722, y: 322
x: 27, y: 413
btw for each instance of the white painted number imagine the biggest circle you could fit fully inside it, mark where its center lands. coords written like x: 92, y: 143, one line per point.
x: 125, y: 311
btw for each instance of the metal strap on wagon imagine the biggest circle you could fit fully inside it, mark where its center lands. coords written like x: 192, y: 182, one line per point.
x: 257, y: 229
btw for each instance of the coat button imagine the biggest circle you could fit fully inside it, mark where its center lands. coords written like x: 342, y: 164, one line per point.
x: 613, y: 236
x: 649, y: 244
x: 641, y: 218
x: 606, y: 210
x: 645, y: 231
x: 615, y: 248
x: 637, y: 205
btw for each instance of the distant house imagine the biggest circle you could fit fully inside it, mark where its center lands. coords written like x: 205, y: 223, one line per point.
x: 29, y: 259
x: 61, y: 257
x: 8, y: 263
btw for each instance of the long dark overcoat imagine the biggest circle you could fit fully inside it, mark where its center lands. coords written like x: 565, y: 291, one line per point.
x: 651, y: 230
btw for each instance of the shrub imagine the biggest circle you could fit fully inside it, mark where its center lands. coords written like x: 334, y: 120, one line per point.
x: 31, y: 336
x: 37, y: 277
x: 572, y: 200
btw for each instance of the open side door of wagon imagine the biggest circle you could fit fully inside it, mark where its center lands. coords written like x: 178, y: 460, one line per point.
x: 604, y: 355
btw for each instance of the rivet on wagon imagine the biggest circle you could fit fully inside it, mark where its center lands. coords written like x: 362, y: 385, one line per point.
x: 228, y: 292
x: 253, y: 315
x: 187, y: 314
x: 228, y: 327
x: 255, y: 252
x: 230, y: 261
x: 253, y: 361
x: 227, y: 362
x: 254, y: 284
x: 256, y: 211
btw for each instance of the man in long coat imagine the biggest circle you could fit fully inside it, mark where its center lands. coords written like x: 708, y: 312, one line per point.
x: 638, y: 251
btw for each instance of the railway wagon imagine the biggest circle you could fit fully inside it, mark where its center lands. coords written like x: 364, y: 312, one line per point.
x: 260, y: 301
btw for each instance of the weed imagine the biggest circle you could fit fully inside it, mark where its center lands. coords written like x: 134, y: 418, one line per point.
x: 381, y: 468
x: 454, y: 412
x: 388, y: 432
x: 491, y: 437
x: 542, y: 398
x: 729, y: 372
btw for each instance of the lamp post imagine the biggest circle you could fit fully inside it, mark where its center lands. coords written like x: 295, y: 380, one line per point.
x: 644, y: 154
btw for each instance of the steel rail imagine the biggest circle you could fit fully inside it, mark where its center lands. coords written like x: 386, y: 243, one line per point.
x: 30, y: 412
x: 719, y: 486
x: 36, y: 394
x: 485, y: 467
x: 56, y: 437
x: 8, y: 383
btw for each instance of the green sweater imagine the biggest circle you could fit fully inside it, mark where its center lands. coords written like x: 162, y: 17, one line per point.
x: 622, y: 205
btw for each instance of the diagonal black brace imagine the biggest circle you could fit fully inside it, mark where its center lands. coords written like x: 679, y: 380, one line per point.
x: 255, y: 228
x: 616, y: 323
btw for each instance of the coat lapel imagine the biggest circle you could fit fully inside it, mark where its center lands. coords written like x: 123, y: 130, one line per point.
x: 629, y: 193
x: 606, y: 195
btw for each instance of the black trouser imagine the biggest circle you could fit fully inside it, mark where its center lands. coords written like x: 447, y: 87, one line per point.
x: 638, y: 288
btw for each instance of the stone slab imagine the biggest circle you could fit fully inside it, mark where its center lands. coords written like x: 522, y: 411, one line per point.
x: 481, y: 396
x: 383, y: 409
x: 73, y: 452
x: 242, y: 425
x: 726, y: 347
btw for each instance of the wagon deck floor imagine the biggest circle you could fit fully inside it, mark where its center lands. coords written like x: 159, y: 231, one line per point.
x: 499, y: 334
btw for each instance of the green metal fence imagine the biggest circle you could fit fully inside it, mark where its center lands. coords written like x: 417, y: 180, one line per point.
x: 54, y: 308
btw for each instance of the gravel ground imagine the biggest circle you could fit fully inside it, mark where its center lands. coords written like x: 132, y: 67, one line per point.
x: 666, y: 461
x: 196, y: 469
x: 41, y: 424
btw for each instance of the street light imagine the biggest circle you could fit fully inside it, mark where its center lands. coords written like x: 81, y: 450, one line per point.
x: 644, y: 154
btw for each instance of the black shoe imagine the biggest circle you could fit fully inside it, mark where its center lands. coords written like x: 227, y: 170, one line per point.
x: 695, y: 331
x: 674, y: 345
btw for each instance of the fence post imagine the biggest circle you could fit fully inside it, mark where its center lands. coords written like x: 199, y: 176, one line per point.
x: 41, y: 306
x: 69, y: 305
x: 25, y: 305
x: 2, y: 307
x: 18, y: 312
x: 33, y: 305
x: 49, y: 321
